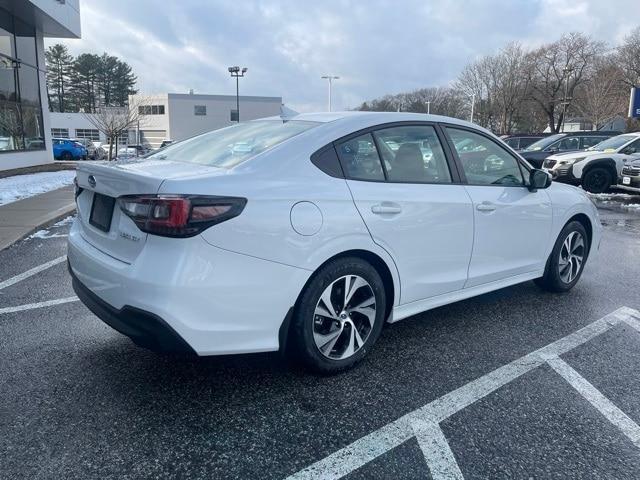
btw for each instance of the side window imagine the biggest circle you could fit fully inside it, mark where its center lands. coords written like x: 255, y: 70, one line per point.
x: 632, y: 148
x: 513, y: 142
x: 484, y: 161
x: 360, y: 159
x: 591, y: 141
x: 413, y: 154
x: 569, y: 143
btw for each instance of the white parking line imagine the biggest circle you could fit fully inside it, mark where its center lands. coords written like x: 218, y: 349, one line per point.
x: 598, y: 400
x: 31, y: 272
x: 31, y: 306
x: 440, y: 457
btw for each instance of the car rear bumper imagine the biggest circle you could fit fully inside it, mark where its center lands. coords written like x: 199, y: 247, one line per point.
x: 187, y: 295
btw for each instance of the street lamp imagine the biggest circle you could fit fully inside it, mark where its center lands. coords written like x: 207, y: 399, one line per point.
x: 566, y: 100
x: 237, y: 72
x: 473, y: 104
x: 330, y: 78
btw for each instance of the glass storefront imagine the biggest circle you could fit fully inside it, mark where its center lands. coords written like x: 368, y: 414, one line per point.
x: 20, y: 105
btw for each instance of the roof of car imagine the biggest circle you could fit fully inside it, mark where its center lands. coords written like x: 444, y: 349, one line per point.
x: 356, y: 120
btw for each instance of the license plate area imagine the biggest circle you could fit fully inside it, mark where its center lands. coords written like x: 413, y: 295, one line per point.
x: 102, y: 211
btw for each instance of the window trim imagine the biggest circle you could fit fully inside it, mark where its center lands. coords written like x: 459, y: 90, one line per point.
x: 519, y: 161
x: 453, y: 169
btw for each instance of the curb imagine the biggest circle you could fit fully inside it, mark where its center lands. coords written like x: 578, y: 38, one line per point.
x: 53, y: 217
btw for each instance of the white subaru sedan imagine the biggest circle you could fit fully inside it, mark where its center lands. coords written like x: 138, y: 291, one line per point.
x: 308, y: 234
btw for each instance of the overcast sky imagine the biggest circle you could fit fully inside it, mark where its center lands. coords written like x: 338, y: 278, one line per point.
x: 375, y: 46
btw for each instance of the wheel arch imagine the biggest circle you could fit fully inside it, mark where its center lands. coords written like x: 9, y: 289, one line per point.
x: 607, y: 163
x: 381, y: 266
x: 586, y: 223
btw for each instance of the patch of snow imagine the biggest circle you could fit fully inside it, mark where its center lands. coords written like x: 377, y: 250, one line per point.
x: 24, y: 186
x: 610, y: 196
x: 46, y: 233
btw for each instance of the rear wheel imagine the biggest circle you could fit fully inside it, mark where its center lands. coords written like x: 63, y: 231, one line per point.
x: 597, y: 180
x: 66, y: 156
x: 339, y: 315
x: 566, y: 262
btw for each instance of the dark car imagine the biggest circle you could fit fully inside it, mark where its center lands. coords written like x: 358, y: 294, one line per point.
x: 519, y: 141
x: 537, y: 152
x: 631, y: 174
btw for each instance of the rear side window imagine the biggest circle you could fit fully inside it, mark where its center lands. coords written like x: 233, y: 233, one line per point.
x: 360, y: 159
x: 413, y: 154
x: 568, y: 143
x: 591, y: 141
x: 484, y: 161
x: 513, y: 142
x: 228, y: 147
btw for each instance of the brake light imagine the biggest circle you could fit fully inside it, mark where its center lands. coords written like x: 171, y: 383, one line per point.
x: 179, y: 215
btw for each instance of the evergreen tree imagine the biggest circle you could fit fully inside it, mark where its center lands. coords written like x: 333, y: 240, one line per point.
x: 59, y: 62
x: 84, y: 82
x: 124, y: 82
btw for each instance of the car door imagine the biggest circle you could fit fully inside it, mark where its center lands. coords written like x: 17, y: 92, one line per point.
x: 412, y: 206
x: 512, y: 224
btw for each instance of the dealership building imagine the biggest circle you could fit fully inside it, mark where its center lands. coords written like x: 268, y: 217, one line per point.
x: 25, y: 128
x: 171, y: 116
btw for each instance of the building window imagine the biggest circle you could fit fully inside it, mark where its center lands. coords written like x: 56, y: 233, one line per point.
x: 234, y: 116
x: 123, y: 139
x: 200, y: 110
x: 21, y: 125
x: 151, y: 110
x: 88, y: 133
x: 60, y: 133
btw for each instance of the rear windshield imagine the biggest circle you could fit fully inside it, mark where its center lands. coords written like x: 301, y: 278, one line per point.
x: 613, y: 143
x: 230, y: 146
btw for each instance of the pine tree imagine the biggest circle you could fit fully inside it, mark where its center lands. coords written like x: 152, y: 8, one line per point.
x: 84, y: 82
x: 124, y: 83
x: 59, y: 63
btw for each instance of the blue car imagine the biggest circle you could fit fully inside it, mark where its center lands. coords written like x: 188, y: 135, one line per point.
x: 65, y: 149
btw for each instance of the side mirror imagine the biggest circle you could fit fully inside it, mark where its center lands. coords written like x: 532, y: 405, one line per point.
x: 539, y: 179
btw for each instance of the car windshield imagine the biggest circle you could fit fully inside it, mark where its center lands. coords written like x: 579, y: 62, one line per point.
x: 543, y: 143
x: 231, y: 146
x: 613, y: 143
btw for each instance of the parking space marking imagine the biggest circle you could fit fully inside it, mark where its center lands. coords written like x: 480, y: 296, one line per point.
x: 597, y: 399
x: 371, y: 446
x: 32, y: 272
x: 32, y: 306
x: 436, y: 451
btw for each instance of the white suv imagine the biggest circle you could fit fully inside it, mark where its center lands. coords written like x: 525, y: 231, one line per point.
x: 598, y: 167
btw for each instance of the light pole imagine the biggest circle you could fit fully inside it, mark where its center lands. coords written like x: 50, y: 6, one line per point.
x: 428, y: 107
x: 237, y: 72
x: 330, y: 78
x: 473, y: 104
x: 565, y: 102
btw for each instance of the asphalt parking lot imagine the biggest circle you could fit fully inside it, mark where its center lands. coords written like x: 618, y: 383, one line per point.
x: 517, y: 383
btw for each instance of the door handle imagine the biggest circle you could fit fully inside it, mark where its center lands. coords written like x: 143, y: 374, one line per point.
x: 386, y: 207
x: 486, y: 207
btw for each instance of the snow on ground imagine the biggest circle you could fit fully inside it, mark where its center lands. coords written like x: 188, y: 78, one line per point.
x: 24, y: 186
x: 47, y: 232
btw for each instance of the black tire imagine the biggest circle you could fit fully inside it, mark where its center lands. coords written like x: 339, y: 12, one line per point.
x: 597, y: 180
x: 66, y: 156
x: 304, y: 319
x: 552, y: 280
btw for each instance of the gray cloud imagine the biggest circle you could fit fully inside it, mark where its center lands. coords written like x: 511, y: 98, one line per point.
x: 375, y: 46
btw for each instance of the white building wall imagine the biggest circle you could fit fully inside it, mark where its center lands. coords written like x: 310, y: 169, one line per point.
x: 72, y: 122
x: 184, y: 123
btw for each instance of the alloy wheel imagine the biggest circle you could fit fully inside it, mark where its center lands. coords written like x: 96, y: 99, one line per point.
x: 344, y: 317
x: 571, y: 257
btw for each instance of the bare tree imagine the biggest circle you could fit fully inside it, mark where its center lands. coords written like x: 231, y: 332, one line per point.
x: 629, y: 58
x: 557, y: 69
x: 603, y: 95
x: 114, y: 121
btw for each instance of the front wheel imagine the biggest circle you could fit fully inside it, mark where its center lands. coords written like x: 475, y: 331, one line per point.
x: 339, y: 315
x: 566, y: 262
x: 596, y: 180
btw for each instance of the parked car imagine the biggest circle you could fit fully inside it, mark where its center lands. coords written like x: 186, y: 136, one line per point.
x: 67, y: 149
x: 88, y: 144
x: 598, y: 167
x: 537, y: 152
x: 631, y: 174
x: 166, y: 143
x: 519, y: 141
x: 140, y: 150
x: 126, y: 153
x: 303, y: 242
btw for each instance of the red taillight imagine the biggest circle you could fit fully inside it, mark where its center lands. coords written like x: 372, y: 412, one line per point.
x: 177, y: 215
